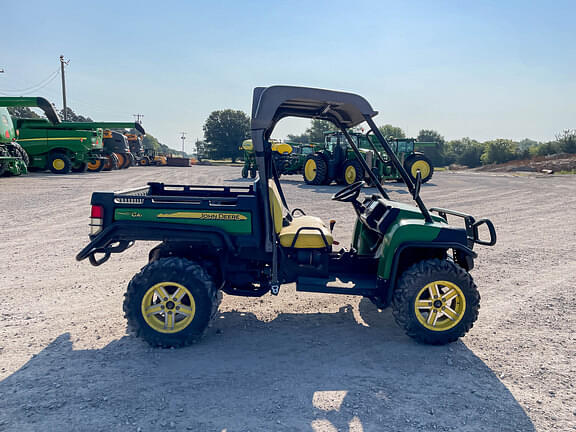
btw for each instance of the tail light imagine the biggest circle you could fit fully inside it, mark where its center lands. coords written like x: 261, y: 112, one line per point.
x: 96, y: 219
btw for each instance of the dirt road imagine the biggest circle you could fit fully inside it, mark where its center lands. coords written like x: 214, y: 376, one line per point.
x: 296, y: 362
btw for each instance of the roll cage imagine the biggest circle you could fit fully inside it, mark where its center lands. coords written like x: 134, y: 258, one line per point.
x: 344, y: 110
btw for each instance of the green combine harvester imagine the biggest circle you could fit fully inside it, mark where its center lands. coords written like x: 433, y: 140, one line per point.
x: 13, y: 158
x: 67, y: 146
x: 338, y: 162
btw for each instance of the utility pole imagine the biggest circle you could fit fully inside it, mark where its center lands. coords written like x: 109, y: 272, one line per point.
x: 62, y: 64
x: 138, y: 117
x: 183, y: 138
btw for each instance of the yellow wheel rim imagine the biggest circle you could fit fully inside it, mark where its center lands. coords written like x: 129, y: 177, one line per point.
x: 421, y: 165
x: 310, y: 169
x: 440, y: 305
x: 350, y: 174
x: 58, y: 164
x: 94, y: 165
x: 168, y: 307
x: 143, y: 162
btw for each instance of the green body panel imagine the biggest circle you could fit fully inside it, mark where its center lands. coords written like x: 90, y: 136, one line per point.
x: 409, y: 226
x: 7, y: 133
x: 232, y: 222
x: 407, y: 230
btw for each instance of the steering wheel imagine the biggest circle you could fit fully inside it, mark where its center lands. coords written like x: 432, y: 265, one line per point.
x: 350, y: 192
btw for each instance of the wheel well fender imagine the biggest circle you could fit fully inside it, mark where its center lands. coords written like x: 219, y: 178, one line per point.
x: 408, y: 254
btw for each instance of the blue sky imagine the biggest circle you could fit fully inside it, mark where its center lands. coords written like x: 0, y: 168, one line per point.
x: 485, y: 70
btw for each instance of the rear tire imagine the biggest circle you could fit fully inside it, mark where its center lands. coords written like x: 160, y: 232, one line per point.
x: 181, y: 298
x: 315, y: 170
x: 436, y: 302
x: 252, y: 172
x: 111, y: 162
x: 420, y: 162
x: 59, y: 163
x: 244, y: 172
x: 80, y: 168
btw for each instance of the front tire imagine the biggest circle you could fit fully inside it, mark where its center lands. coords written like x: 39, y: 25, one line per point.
x: 244, y: 171
x: 352, y: 171
x: 436, y: 302
x: 171, y: 302
x: 59, y: 163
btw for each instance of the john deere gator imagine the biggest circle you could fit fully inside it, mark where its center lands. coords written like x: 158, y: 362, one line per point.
x: 13, y: 158
x: 245, y: 240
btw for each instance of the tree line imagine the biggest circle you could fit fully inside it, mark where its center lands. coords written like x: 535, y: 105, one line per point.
x: 224, y: 131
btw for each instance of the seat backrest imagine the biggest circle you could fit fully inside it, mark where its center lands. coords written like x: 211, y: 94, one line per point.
x: 275, y: 205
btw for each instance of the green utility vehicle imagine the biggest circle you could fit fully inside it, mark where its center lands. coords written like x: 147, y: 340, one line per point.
x: 280, y: 154
x: 338, y: 161
x: 13, y: 158
x: 244, y: 240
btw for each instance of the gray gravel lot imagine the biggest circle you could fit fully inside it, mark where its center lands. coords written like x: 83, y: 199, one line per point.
x: 299, y: 361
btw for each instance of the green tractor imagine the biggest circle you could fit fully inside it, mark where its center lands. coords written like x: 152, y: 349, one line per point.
x: 293, y: 163
x: 280, y: 155
x: 13, y: 158
x: 244, y: 240
x: 337, y: 161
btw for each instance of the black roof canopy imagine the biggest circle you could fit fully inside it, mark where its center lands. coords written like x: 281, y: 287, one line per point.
x: 271, y: 104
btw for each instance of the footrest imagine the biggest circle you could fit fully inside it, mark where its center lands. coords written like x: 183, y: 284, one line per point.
x: 341, y: 284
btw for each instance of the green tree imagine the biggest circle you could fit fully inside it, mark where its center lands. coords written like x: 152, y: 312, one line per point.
x: 23, y: 113
x: 150, y: 143
x: 317, y: 128
x: 302, y: 139
x: 498, y: 151
x: 436, y: 155
x: 391, y: 131
x: 224, y: 132
x: 464, y: 151
x: 71, y: 116
x: 567, y: 141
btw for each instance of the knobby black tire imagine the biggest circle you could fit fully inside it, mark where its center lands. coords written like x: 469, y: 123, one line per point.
x: 413, y: 280
x: 415, y: 158
x: 321, y: 170
x: 20, y: 152
x: 190, y: 274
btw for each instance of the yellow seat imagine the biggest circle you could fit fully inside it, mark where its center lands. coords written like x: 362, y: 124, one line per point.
x: 307, y: 238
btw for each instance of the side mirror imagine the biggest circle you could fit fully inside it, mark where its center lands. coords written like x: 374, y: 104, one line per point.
x: 417, y: 185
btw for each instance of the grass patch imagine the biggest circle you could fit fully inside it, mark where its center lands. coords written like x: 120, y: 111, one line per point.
x: 566, y: 172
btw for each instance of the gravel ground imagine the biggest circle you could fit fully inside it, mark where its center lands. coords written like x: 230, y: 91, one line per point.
x: 299, y: 361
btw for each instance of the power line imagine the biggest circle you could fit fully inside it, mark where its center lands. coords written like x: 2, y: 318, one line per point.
x: 35, y: 87
x: 138, y: 116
